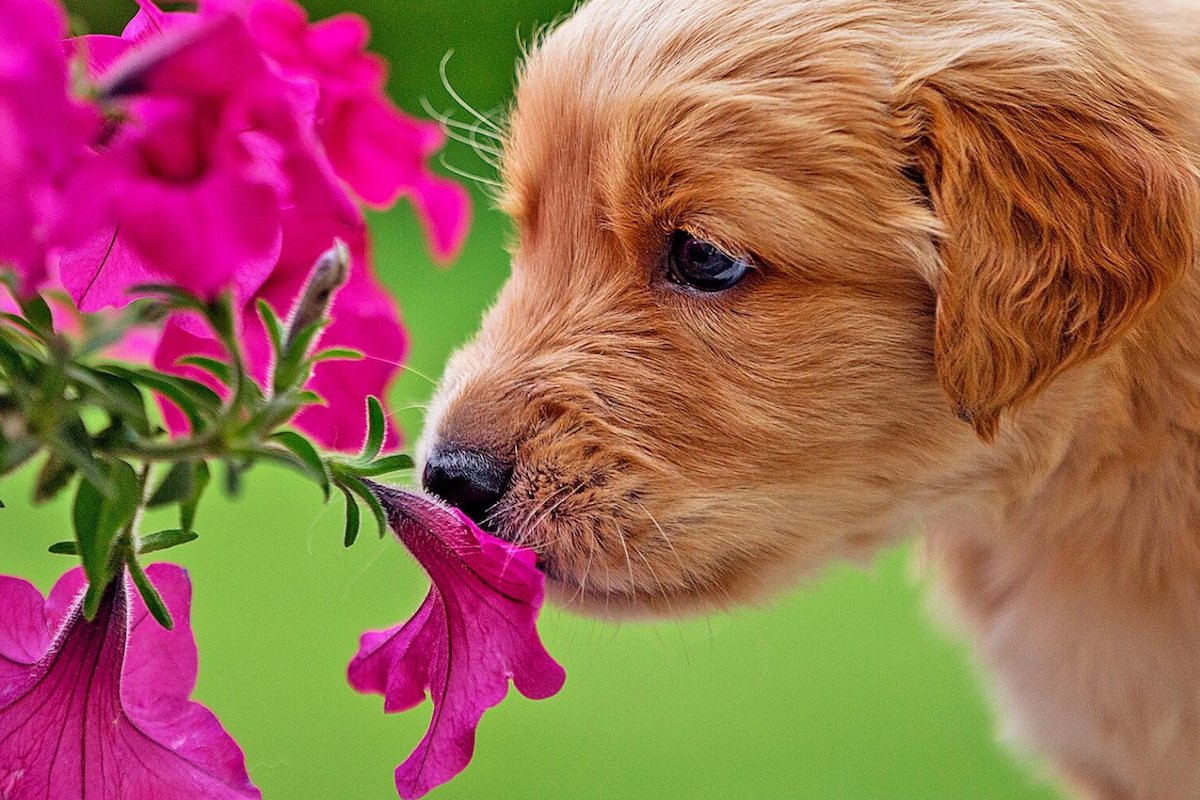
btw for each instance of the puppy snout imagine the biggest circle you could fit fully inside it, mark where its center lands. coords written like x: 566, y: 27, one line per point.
x: 472, y: 480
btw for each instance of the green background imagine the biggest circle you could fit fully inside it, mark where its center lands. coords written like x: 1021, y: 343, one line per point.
x: 844, y: 689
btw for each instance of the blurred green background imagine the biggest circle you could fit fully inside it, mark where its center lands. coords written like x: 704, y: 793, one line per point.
x: 845, y: 689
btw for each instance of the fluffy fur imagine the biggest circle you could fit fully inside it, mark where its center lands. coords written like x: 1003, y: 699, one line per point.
x: 975, y: 306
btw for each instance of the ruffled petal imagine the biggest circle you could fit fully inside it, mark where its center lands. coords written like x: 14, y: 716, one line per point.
x: 475, y: 631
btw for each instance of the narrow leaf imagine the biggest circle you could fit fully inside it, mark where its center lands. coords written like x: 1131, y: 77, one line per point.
x: 175, y: 485
x: 359, y: 488
x: 293, y: 368
x: 218, y: 369
x: 175, y: 297
x: 233, y: 477
x: 274, y: 326
x: 376, y: 429
x: 162, y: 540
x: 381, y: 466
x: 337, y: 354
x: 99, y: 518
x: 64, y: 549
x: 308, y: 454
x: 353, y: 518
x: 36, y: 310
x: 52, y: 478
x: 187, y: 506
x: 115, y: 394
x: 72, y: 443
x: 154, y: 602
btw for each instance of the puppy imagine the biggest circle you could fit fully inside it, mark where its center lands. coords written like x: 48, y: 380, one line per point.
x: 793, y: 276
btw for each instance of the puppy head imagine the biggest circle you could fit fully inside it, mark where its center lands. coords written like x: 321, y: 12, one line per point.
x: 761, y: 277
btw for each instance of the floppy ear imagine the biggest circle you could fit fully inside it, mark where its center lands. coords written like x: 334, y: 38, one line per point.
x: 1063, y: 220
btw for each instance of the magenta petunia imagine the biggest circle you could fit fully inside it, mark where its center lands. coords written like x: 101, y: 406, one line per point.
x: 381, y: 152
x: 475, y: 631
x: 43, y: 133
x: 200, y: 173
x: 100, y: 709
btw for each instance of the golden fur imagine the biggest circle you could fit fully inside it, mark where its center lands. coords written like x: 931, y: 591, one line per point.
x: 976, y: 306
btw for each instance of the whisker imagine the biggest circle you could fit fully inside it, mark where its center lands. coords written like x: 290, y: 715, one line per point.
x: 470, y: 176
x: 451, y: 122
x: 486, y: 154
x: 663, y: 533
x: 405, y: 367
x: 628, y: 560
x: 450, y: 90
x: 587, y: 570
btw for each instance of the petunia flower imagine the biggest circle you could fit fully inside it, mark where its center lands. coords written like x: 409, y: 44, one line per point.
x: 100, y: 709
x: 43, y: 132
x: 378, y: 150
x: 213, y: 150
x: 475, y: 631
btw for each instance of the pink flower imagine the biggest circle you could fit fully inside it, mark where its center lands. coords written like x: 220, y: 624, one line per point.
x: 42, y: 134
x: 475, y: 630
x: 100, y: 709
x: 203, y: 168
x: 377, y: 149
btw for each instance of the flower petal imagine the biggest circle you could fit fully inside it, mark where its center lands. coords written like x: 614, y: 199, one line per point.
x: 42, y: 134
x: 103, y: 711
x: 475, y: 631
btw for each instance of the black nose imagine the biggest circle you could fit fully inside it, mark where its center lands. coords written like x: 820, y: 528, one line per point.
x: 471, y: 480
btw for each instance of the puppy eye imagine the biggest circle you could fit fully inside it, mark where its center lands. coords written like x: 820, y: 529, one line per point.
x: 702, y: 265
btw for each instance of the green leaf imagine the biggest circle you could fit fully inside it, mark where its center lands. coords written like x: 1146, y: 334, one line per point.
x: 13, y: 454
x: 359, y: 488
x: 198, y: 402
x: 36, y: 310
x: 13, y: 365
x: 293, y: 368
x: 154, y: 602
x: 303, y: 450
x: 309, y: 398
x: 353, y: 518
x: 72, y: 443
x: 64, y: 549
x: 187, y: 506
x: 98, y: 519
x: 21, y: 323
x: 175, y: 486
x: 381, y: 466
x: 233, y: 477
x: 218, y: 369
x: 337, y: 354
x: 274, y: 326
x: 53, y: 476
x: 162, y: 540
x: 175, y: 297
x: 116, y: 394
x: 220, y: 316
x: 376, y: 429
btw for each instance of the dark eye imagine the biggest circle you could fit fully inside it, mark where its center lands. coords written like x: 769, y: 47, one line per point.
x: 702, y: 265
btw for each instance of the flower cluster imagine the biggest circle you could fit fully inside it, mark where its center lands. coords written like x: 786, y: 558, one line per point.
x: 184, y: 178
x: 218, y: 149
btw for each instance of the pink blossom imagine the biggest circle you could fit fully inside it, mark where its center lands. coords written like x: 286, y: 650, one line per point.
x: 199, y: 173
x: 100, y: 709
x: 475, y: 631
x: 42, y: 134
x: 380, y: 151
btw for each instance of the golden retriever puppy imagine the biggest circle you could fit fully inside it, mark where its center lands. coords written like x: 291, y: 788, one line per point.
x: 795, y: 276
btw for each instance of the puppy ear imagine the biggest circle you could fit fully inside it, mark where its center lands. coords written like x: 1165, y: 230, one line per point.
x: 1062, y: 222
